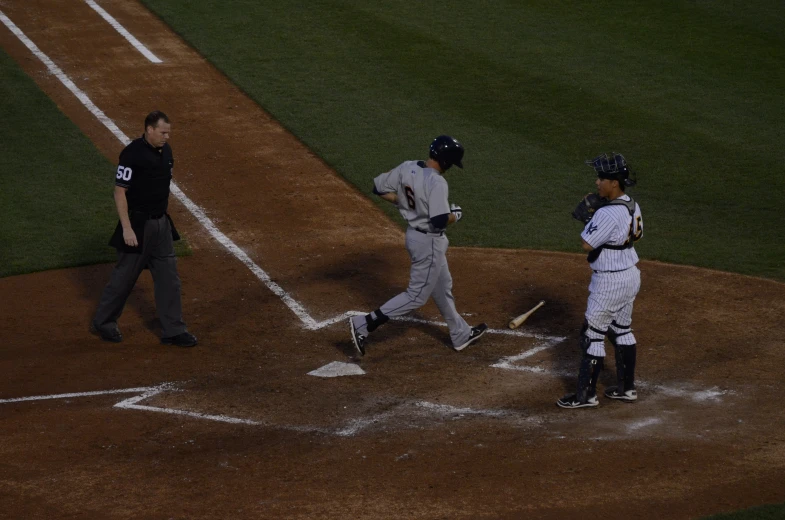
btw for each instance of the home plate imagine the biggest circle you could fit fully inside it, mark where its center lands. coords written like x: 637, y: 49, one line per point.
x: 338, y: 368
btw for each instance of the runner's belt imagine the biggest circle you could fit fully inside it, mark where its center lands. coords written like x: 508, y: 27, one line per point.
x: 433, y: 234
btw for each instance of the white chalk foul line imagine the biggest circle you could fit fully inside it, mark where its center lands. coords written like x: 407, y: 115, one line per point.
x: 65, y: 80
x: 296, y: 307
x: 195, y: 210
x: 127, y: 35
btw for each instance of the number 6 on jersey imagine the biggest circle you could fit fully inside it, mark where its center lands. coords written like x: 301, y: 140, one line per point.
x: 409, y: 196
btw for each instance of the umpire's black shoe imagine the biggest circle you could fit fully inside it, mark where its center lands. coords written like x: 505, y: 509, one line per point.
x: 112, y: 336
x: 186, y: 339
x: 474, y: 335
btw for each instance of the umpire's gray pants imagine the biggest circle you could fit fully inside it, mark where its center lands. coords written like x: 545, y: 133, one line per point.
x: 429, y: 277
x: 158, y: 254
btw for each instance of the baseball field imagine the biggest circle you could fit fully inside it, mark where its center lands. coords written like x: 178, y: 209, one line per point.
x: 282, y: 113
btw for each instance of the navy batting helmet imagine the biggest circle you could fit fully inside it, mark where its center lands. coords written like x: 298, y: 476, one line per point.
x: 446, y: 151
x: 613, y: 167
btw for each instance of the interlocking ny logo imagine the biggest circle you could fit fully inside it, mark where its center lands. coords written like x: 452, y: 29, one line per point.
x: 592, y: 228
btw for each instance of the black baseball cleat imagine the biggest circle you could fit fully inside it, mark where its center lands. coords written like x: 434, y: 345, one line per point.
x: 357, y: 339
x: 185, y: 339
x: 474, y: 335
x: 628, y: 396
x: 571, y: 401
x: 113, y: 336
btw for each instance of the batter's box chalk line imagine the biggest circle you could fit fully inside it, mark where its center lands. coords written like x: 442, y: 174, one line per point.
x: 545, y: 341
x: 406, y: 413
x: 700, y: 395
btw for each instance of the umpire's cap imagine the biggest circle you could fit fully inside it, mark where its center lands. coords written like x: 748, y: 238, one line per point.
x: 446, y: 151
x: 614, y: 167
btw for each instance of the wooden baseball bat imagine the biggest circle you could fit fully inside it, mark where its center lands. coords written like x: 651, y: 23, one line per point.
x: 514, y: 324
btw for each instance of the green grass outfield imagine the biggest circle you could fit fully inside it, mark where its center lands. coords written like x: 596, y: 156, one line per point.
x: 693, y: 93
x: 770, y: 512
x: 56, y: 202
x: 56, y: 199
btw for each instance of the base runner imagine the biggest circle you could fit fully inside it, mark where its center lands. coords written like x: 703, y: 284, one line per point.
x: 420, y: 192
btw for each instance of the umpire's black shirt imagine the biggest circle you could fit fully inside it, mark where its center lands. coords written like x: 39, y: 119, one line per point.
x: 145, y: 171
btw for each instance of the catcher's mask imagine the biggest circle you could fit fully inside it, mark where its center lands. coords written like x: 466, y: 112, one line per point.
x: 613, y: 167
x: 446, y: 151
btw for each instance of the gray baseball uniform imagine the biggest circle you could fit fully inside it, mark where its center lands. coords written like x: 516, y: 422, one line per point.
x: 422, y: 194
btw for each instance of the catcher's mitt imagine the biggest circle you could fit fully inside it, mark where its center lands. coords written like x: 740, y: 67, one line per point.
x: 585, y: 209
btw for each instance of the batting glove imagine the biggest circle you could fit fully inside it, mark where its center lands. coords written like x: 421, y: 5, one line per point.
x: 457, y: 211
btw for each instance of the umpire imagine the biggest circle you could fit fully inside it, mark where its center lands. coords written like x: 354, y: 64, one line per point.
x: 145, y: 235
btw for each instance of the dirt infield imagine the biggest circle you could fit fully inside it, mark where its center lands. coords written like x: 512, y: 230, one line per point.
x: 236, y: 428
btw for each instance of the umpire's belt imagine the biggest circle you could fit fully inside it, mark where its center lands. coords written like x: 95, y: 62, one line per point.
x: 436, y: 234
x: 147, y: 216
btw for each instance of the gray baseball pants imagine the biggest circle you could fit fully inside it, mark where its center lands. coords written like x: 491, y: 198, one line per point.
x: 429, y: 277
x: 157, y: 254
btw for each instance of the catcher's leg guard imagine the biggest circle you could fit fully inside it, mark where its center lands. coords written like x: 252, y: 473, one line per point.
x: 591, y: 366
x: 630, y: 353
x: 625, y: 355
x: 376, y: 319
x: 589, y: 371
x: 618, y: 351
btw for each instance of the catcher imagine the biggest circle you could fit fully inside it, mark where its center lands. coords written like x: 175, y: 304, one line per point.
x: 612, y: 224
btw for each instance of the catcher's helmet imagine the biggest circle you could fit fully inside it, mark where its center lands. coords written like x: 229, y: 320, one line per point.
x: 613, y: 167
x: 446, y: 151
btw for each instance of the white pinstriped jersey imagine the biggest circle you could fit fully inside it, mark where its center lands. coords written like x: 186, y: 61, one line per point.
x: 422, y: 192
x: 613, y: 225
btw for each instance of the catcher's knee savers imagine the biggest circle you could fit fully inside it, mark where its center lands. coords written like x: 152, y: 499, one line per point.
x: 376, y: 319
x: 592, y: 340
x: 621, y: 334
